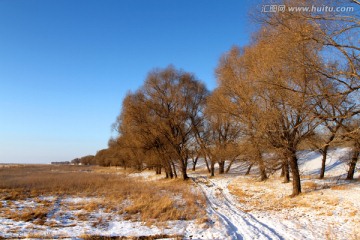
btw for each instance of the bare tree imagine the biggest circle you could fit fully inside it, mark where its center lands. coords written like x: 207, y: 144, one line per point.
x: 139, y: 141
x: 224, y: 134
x: 333, y: 110
x: 272, y: 83
x: 336, y: 33
x: 163, y: 114
x: 239, y: 98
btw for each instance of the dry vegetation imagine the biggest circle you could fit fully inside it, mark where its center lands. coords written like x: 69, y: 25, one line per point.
x: 320, y: 202
x: 160, y: 236
x: 256, y: 196
x: 132, y: 198
x: 38, y: 215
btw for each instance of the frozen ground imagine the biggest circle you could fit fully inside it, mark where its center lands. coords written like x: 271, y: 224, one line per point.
x: 238, y: 207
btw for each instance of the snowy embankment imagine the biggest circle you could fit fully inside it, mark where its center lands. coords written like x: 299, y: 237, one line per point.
x: 336, y: 163
x: 238, y: 207
x: 249, y: 209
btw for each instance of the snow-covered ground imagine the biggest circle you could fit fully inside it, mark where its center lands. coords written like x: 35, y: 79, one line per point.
x: 238, y: 207
x: 66, y: 220
x: 249, y: 209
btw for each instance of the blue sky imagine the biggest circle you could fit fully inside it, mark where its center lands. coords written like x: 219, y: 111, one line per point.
x: 66, y: 65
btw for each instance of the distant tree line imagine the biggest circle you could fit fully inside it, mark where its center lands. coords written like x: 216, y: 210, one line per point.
x: 86, y: 160
x: 61, y: 163
x: 294, y: 86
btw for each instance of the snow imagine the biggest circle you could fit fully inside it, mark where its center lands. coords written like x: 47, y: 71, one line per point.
x: 146, y: 174
x: 236, y: 224
x: 63, y: 224
x: 310, y: 162
x: 77, y: 200
x: 329, y: 208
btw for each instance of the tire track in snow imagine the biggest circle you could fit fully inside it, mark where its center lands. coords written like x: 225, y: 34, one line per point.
x: 238, y: 224
x: 56, y: 208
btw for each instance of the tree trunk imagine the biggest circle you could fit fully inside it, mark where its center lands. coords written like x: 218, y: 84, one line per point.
x: 194, y: 161
x: 174, y: 169
x: 262, y: 168
x: 158, y: 170
x: 171, y: 174
x: 207, y: 165
x: 323, y: 161
x: 326, y: 148
x: 286, y: 171
x: 282, y: 174
x: 295, y: 174
x: 229, y: 166
x: 221, y: 167
x: 184, y: 169
x: 212, y: 172
x: 249, y: 169
x: 169, y: 171
x: 352, y: 165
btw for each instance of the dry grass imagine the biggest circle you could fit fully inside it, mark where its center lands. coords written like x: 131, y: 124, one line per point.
x: 353, y: 213
x: 331, y: 234
x: 158, y: 236
x: 100, y: 223
x: 310, y: 186
x: 91, y: 206
x: 355, y: 235
x: 138, y: 199
x: 174, y: 200
x: 263, y: 197
x: 83, y: 216
x: 316, y: 204
x: 162, y: 209
x: 243, y: 196
x: 340, y: 187
x: 37, y: 215
x: 39, y: 236
x: 34, y: 180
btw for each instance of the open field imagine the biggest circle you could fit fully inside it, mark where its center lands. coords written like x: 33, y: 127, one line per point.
x: 46, y: 201
x: 73, y: 201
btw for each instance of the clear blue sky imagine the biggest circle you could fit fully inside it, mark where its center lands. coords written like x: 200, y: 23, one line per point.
x: 66, y: 65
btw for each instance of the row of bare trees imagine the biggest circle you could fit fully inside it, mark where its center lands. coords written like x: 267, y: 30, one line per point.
x: 295, y: 85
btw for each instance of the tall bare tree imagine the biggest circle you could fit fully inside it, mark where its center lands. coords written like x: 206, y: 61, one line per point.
x: 239, y: 98
x: 223, y: 134
x: 272, y: 84
x: 164, y: 113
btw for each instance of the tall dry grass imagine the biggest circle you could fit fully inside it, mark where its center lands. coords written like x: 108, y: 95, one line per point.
x: 145, y: 200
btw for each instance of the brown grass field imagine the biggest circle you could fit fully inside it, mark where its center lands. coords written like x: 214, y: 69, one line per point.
x: 112, y: 191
